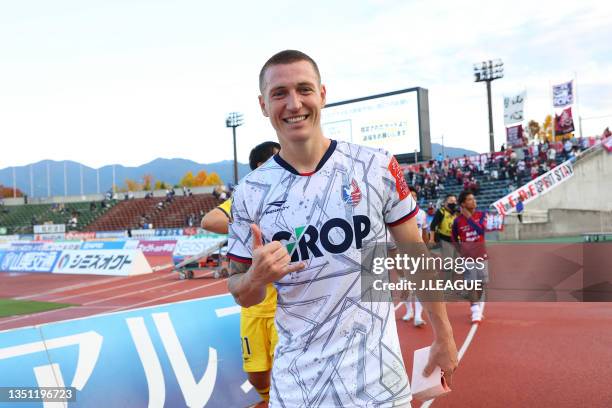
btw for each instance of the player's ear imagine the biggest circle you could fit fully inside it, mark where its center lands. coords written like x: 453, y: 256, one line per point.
x: 323, y: 95
x: 262, y: 105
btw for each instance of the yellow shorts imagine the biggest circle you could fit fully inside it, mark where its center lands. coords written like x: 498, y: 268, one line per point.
x: 259, y: 338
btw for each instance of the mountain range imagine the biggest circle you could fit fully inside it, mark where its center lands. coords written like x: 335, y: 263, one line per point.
x: 167, y: 170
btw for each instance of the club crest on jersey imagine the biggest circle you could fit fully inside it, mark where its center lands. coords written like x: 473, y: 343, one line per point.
x: 351, y: 194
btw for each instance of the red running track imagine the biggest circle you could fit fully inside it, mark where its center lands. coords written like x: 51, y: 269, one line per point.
x: 522, y: 355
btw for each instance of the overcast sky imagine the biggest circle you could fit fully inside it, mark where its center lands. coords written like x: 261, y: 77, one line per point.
x: 124, y: 81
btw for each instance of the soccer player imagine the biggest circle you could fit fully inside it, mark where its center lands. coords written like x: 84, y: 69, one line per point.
x: 417, y: 311
x: 469, y: 238
x: 300, y: 221
x: 258, y: 334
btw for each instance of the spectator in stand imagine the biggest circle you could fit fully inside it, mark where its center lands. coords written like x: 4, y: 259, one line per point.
x: 567, y: 149
x: 551, y: 154
x: 494, y: 174
x: 160, y: 205
x: 92, y: 206
x: 184, y: 191
x: 583, y: 142
x: 474, y: 185
x: 534, y: 171
x: 520, y: 167
x: 468, y: 236
x: 74, y: 221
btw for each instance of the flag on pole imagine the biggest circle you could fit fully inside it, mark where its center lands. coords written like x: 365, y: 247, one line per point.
x: 563, y: 94
x: 514, y: 136
x: 513, y: 108
x: 564, y: 123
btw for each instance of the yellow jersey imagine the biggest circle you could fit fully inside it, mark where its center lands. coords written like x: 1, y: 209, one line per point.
x: 226, y: 207
x: 267, y: 308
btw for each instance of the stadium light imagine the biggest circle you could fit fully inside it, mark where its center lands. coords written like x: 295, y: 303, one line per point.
x: 234, y: 120
x: 487, y: 71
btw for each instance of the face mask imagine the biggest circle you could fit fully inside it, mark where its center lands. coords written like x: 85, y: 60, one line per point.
x: 452, y: 206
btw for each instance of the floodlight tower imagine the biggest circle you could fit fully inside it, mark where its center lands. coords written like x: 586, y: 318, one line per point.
x: 487, y: 71
x: 234, y: 120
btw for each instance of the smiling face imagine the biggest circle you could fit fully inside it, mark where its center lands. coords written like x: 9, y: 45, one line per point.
x: 292, y: 98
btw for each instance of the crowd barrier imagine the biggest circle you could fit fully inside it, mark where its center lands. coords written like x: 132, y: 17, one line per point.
x: 175, y: 355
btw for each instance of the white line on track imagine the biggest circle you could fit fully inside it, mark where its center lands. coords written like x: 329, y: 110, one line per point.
x: 161, y: 267
x: 113, y: 288
x: 23, y: 317
x: 227, y: 311
x: 169, y: 296
x: 163, y: 285
x: 462, y: 350
x: 70, y: 287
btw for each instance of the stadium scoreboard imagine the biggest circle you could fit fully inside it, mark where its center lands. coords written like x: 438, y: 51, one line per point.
x: 396, y: 121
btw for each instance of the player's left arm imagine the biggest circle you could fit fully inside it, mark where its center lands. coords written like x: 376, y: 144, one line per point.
x: 443, y: 349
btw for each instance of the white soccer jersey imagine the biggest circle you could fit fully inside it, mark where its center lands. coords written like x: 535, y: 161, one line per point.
x: 421, y: 219
x: 334, y: 349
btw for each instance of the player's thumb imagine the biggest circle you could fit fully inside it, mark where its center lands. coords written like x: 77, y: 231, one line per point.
x: 429, y: 368
x: 257, y: 239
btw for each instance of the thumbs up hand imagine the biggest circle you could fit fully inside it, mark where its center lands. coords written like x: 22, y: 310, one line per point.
x: 270, y: 261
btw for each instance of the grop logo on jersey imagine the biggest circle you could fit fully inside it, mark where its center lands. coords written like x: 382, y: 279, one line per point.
x: 335, y: 236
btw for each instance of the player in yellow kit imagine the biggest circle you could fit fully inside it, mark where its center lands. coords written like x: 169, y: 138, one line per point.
x: 257, y: 330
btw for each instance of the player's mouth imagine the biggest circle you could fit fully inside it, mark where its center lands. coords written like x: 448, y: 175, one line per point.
x: 295, y: 119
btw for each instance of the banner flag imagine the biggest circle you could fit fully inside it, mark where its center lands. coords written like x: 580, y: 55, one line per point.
x: 564, y: 123
x: 563, y: 94
x: 514, y: 108
x: 514, y: 136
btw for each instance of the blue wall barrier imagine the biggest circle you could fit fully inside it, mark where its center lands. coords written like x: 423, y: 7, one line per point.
x: 175, y: 355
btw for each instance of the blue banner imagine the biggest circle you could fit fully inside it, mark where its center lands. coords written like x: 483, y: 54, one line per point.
x: 28, y: 261
x: 103, y: 245
x: 26, y: 246
x: 175, y: 355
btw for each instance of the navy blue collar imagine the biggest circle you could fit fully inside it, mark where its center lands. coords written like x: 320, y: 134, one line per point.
x: 291, y: 169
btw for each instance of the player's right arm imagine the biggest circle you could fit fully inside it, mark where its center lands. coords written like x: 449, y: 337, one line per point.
x: 270, y: 262
x: 215, y: 221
